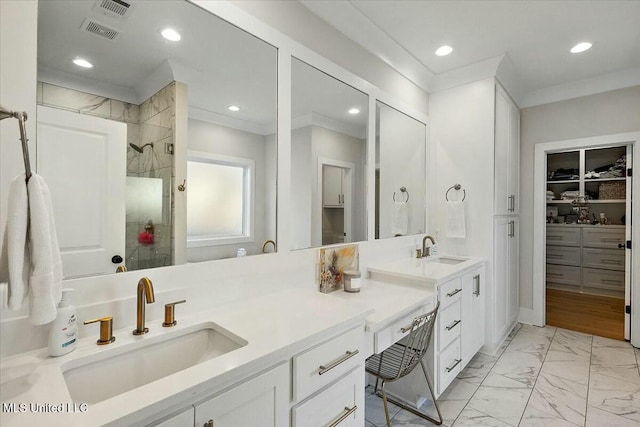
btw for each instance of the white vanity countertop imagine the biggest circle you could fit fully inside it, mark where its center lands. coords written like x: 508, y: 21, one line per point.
x: 274, y: 325
x: 428, y: 270
x: 390, y: 301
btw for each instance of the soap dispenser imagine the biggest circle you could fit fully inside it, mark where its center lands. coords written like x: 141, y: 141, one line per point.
x: 64, y: 330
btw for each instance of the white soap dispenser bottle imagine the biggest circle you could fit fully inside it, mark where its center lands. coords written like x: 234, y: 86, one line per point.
x: 64, y: 330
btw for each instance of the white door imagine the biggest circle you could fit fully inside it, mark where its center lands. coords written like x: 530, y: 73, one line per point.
x: 83, y: 160
x: 332, y: 192
x: 628, y: 267
x: 514, y: 272
x: 501, y: 277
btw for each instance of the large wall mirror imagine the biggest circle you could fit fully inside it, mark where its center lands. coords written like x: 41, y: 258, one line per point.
x: 328, y: 153
x: 400, y: 173
x: 111, y: 92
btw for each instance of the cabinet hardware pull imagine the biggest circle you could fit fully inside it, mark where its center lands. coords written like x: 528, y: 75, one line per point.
x: 348, y: 411
x: 512, y: 229
x: 555, y: 237
x: 476, y: 278
x: 406, y: 328
x: 610, y: 261
x: 330, y: 366
x: 555, y: 256
x: 208, y: 423
x: 610, y: 239
x: 452, y: 367
x: 452, y: 293
x: 613, y: 282
x: 453, y: 325
x: 555, y: 274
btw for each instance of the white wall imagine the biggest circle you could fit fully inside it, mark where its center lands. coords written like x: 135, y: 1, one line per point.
x: 301, y: 195
x: 213, y: 138
x: 611, y: 112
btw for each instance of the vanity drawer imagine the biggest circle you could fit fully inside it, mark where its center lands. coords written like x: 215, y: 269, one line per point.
x: 610, y: 259
x: 605, y: 238
x: 393, y: 333
x: 324, y: 363
x: 450, y: 292
x: 563, y: 236
x: 604, y: 279
x: 342, y: 400
x: 449, y: 324
x: 563, y: 255
x: 449, y: 365
x: 563, y: 274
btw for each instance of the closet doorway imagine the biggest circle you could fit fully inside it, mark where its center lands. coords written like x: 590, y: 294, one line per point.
x: 336, y: 181
x: 584, y: 265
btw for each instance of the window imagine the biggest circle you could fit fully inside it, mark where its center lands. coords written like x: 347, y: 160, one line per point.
x: 220, y: 199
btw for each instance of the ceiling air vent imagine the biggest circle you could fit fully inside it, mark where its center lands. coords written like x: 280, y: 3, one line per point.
x: 98, y: 29
x: 114, y: 8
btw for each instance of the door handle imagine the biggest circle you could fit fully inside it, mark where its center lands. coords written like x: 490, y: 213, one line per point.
x: 476, y: 279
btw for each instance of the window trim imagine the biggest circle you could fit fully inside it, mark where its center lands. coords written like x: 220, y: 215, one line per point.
x: 249, y: 185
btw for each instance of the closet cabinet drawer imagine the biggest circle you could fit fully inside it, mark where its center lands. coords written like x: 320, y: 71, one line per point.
x: 563, y: 255
x: 610, y: 259
x: 341, y: 404
x: 563, y: 236
x: 449, y: 324
x: 326, y: 362
x: 563, y: 274
x: 450, y: 292
x: 604, y: 279
x: 385, y: 337
x: 605, y: 238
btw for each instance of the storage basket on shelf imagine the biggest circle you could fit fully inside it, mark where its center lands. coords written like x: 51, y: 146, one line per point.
x: 612, y: 190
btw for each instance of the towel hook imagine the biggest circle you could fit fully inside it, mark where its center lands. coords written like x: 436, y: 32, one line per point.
x: 456, y: 187
x: 403, y: 190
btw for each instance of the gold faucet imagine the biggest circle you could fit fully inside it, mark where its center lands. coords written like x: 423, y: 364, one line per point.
x: 145, y: 288
x: 266, y: 242
x: 425, y: 250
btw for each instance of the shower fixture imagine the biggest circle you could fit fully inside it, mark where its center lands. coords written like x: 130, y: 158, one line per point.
x: 138, y: 148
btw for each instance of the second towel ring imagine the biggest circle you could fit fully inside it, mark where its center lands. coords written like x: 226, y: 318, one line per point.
x: 456, y: 187
x: 403, y: 190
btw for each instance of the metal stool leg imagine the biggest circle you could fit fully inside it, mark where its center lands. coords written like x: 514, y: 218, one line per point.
x: 386, y: 407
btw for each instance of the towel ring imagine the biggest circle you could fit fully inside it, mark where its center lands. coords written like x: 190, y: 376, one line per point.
x: 456, y: 187
x: 403, y: 190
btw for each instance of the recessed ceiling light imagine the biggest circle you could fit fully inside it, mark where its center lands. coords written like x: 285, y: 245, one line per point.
x: 171, y: 34
x: 444, y: 50
x: 354, y: 111
x: 581, y: 47
x: 81, y: 62
x: 233, y: 108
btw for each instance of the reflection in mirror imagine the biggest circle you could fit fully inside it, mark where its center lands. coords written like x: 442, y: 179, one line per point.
x: 328, y: 152
x: 111, y: 127
x: 400, y: 173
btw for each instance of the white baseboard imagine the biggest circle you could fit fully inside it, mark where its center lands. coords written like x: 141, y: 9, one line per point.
x: 528, y: 316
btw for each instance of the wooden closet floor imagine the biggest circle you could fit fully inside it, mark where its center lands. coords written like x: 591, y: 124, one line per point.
x: 591, y: 314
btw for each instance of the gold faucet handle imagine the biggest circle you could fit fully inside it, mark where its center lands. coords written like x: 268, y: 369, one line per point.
x: 121, y: 269
x: 170, y: 313
x: 106, y: 329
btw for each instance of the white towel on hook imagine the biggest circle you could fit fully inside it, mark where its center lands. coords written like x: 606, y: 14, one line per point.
x: 455, y: 219
x: 30, y: 251
x: 400, y: 218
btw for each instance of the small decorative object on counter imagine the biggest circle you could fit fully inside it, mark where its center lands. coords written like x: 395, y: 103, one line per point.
x: 241, y: 252
x: 64, y: 330
x: 352, y: 281
x: 333, y: 263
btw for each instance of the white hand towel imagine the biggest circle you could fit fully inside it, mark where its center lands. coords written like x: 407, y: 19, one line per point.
x: 400, y: 218
x: 455, y: 220
x: 34, y: 268
x: 15, y: 265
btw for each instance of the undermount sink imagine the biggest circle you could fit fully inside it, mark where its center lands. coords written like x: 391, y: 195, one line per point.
x: 99, y: 377
x: 448, y: 260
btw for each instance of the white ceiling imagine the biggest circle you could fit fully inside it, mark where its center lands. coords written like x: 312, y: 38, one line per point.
x: 535, y: 35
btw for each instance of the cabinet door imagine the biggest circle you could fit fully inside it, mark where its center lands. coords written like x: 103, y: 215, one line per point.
x: 472, y: 314
x: 514, y: 271
x: 332, y: 193
x: 502, y: 155
x: 182, y: 419
x: 514, y: 157
x: 261, y: 402
x: 500, y: 299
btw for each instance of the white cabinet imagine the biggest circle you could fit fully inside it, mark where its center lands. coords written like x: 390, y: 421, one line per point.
x: 473, y: 293
x: 261, y: 402
x: 507, y: 154
x: 184, y: 418
x: 506, y: 273
x: 333, y: 182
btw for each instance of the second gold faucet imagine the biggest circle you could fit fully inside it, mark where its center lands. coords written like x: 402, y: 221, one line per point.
x: 145, y: 289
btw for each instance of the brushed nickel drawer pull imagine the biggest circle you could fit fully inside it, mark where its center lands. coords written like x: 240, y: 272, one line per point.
x: 453, y: 325
x: 556, y: 256
x: 476, y: 280
x: 452, y: 293
x: 406, y: 328
x: 452, y: 367
x: 612, y: 282
x: 555, y: 274
x: 341, y: 418
x: 348, y: 355
x: 555, y: 237
x: 610, y: 261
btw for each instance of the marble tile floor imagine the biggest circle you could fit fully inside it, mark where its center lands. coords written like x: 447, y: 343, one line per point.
x: 539, y: 377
